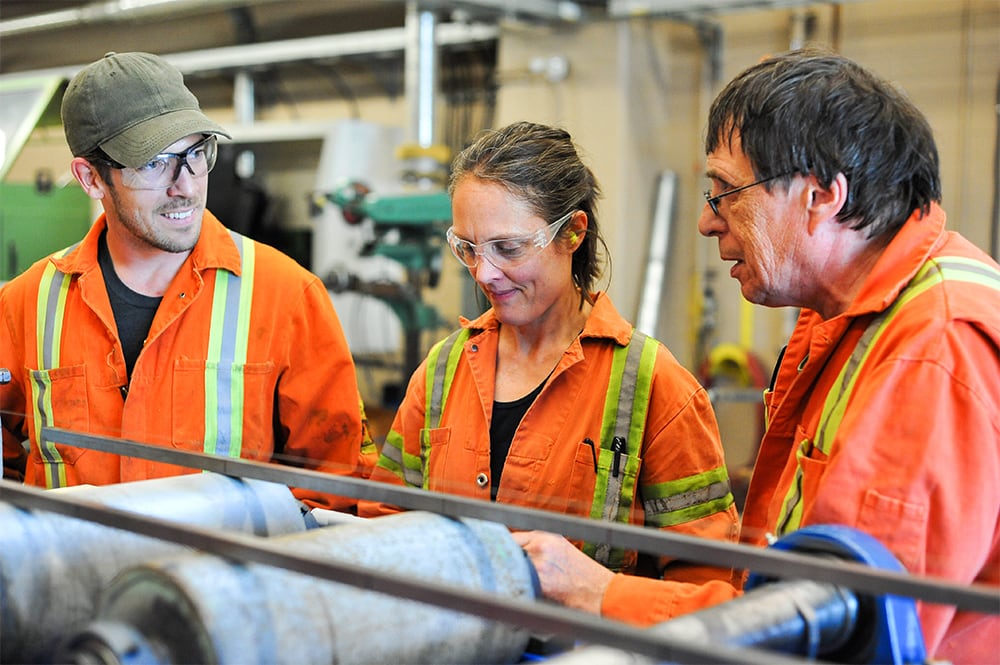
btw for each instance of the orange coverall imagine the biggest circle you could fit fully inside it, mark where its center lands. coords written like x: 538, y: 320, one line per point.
x: 915, y: 461
x: 549, y: 466
x: 299, y: 386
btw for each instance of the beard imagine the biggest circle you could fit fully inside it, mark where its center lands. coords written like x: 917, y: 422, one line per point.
x: 147, y: 229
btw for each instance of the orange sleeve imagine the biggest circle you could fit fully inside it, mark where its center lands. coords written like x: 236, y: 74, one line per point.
x: 644, y: 601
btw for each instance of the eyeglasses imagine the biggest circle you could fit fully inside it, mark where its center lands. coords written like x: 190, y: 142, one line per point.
x: 163, y: 169
x: 713, y: 201
x: 505, y: 252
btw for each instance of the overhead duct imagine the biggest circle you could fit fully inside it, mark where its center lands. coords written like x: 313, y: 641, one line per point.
x: 115, y: 11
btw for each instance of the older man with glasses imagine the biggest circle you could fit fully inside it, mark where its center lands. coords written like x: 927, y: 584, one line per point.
x: 161, y: 325
x: 883, y: 409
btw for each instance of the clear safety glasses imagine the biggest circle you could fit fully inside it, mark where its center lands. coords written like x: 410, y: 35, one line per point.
x: 505, y: 252
x: 163, y: 169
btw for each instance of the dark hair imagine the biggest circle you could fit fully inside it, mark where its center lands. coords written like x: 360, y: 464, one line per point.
x: 103, y: 165
x: 812, y: 111
x: 540, y: 165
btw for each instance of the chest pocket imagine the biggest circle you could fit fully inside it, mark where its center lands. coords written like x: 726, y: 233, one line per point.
x: 59, y: 394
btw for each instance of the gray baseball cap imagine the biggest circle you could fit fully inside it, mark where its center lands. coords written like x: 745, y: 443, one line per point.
x: 132, y: 106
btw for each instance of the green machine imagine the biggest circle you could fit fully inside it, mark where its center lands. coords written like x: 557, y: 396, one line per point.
x: 36, y: 218
x: 36, y: 221
x: 410, y: 229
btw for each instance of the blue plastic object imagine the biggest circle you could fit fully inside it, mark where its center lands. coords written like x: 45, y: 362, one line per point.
x: 896, y: 636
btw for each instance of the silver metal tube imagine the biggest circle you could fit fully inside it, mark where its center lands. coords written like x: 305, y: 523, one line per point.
x: 421, y: 72
x: 654, y: 281
x: 203, y: 608
x: 53, y: 568
x: 792, y: 616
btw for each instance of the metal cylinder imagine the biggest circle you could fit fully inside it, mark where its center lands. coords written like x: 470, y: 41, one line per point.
x: 790, y: 616
x: 53, y: 568
x: 204, y: 609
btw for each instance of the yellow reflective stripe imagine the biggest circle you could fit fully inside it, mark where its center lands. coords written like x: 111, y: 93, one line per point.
x: 52, y: 290
x: 442, y: 360
x: 212, y: 361
x: 50, y: 309
x: 609, y: 420
x: 229, y: 332
x: 687, y: 499
x: 54, y: 469
x: 408, y: 468
x: 241, y: 343
x: 791, y: 512
x: 624, y: 419
x: 368, y: 446
x: 933, y: 272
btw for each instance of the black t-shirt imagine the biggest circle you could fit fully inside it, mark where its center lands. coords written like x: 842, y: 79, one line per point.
x: 133, y: 311
x: 506, y: 418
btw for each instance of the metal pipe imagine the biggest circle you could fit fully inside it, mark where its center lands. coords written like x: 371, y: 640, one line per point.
x: 53, y: 567
x: 421, y: 72
x: 224, y: 58
x: 795, y: 617
x: 203, y: 608
x: 654, y: 281
x: 765, y: 561
x: 111, y: 12
x: 245, y: 108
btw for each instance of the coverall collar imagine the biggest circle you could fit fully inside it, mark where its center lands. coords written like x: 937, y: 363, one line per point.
x: 215, y: 249
x: 604, y: 322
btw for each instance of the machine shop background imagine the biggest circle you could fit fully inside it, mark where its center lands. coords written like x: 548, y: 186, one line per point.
x: 321, y: 95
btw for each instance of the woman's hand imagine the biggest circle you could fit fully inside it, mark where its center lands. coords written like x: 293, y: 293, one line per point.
x: 567, y: 575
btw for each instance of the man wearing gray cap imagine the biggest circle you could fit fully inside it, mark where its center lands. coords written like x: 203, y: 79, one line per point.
x: 161, y: 325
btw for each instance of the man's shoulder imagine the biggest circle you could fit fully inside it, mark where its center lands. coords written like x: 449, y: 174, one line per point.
x: 27, y: 281
x: 971, y: 281
x: 279, y: 265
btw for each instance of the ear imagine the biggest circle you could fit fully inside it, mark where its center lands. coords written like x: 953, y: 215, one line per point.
x: 575, y: 230
x: 88, y: 177
x: 824, y: 203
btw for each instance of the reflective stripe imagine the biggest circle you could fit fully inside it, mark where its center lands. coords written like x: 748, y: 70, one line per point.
x: 933, y: 272
x: 687, y: 499
x: 227, y: 354
x: 406, y: 467
x: 622, y: 428
x: 51, y: 305
x: 441, y: 363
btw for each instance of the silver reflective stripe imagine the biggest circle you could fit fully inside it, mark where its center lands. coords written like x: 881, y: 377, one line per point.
x: 393, y: 456
x: 439, y: 372
x: 621, y: 430
x: 669, y: 504
x: 227, y: 354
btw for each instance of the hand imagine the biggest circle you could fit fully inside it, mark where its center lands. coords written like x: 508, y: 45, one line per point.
x: 567, y: 575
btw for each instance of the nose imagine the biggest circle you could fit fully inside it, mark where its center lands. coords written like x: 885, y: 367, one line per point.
x: 185, y: 181
x: 710, y: 224
x: 484, y: 271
